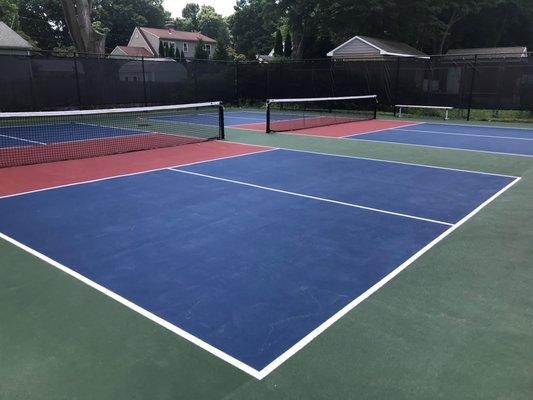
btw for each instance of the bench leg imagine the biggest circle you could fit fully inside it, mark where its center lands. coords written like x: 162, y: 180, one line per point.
x: 446, y: 116
x: 399, y: 112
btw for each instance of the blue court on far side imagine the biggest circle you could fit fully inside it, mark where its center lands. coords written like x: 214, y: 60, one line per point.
x: 507, y: 140
x: 248, y: 255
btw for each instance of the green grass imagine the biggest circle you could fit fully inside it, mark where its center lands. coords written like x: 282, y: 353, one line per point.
x: 456, y: 324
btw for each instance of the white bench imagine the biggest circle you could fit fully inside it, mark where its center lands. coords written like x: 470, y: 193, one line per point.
x: 400, y: 106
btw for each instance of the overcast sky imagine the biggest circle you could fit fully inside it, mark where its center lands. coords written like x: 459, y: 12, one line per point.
x: 224, y: 7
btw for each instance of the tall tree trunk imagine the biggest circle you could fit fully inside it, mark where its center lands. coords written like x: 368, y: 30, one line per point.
x: 78, y: 19
x: 297, y: 43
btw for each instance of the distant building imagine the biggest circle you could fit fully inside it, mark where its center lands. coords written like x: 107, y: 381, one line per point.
x: 11, y: 42
x: 144, y: 42
x: 488, y: 53
x: 364, y: 47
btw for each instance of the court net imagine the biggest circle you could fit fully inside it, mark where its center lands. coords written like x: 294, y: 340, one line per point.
x: 40, y: 137
x: 293, y: 114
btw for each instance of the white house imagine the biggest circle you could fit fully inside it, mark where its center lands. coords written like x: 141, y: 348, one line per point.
x: 144, y: 42
x: 11, y: 42
x: 364, y: 47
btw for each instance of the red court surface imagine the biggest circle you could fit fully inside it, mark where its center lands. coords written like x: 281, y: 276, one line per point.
x: 40, y: 176
x: 340, y: 130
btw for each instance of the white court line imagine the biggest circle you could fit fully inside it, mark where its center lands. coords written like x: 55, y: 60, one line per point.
x: 462, y: 134
x: 350, y: 306
x: 439, y: 147
x: 386, y: 161
x: 24, y: 140
x: 475, y: 125
x: 160, y: 321
x: 129, y: 174
x: 296, y: 347
x: 313, y: 197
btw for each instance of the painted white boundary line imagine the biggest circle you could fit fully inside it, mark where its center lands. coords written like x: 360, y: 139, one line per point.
x: 24, y: 140
x: 350, y: 306
x: 131, y: 174
x: 463, y: 134
x: 342, y: 203
x: 474, y: 125
x: 295, y: 348
x: 385, y: 161
x: 160, y: 321
x: 357, y: 137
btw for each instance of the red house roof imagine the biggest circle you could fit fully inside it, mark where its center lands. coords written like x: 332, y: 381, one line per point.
x: 177, y: 35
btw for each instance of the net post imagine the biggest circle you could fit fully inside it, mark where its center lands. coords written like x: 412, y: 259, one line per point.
x: 375, y: 107
x: 268, y: 117
x: 222, y: 134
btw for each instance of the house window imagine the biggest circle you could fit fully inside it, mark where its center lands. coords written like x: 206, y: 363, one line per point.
x: 185, y: 47
x: 207, y: 47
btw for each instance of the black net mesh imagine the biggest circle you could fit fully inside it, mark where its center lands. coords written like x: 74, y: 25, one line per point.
x: 38, y: 137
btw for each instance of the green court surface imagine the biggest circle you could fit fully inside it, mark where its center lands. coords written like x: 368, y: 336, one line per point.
x: 456, y: 324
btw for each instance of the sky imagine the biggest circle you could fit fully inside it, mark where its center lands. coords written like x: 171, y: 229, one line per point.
x: 224, y: 7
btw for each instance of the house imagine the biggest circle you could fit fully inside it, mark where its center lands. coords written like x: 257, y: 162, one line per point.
x: 487, y: 53
x: 144, y: 42
x: 11, y: 42
x: 364, y: 47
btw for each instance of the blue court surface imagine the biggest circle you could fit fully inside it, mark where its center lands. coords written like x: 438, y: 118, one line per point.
x: 251, y: 254
x: 505, y: 140
x: 32, y: 135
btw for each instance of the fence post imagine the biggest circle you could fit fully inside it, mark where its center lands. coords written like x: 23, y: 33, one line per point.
x: 32, y: 88
x: 236, y: 84
x: 195, y: 72
x: 396, y: 84
x: 471, y: 88
x: 144, y: 82
x: 80, y: 105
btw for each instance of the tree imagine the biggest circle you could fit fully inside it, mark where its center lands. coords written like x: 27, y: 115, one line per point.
x: 221, y: 51
x: 190, y: 14
x: 182, y: 55
x: 161, y: 49
x: 278, y: 44
x: 9, y: 13
x: 120, y: 17
x: 287, y: 48
x: 252, y: 26
x: 200, y: 52
x: 212, y: 24
x: 172, y: 52
x: 77, y: 15
x: 44, y: 23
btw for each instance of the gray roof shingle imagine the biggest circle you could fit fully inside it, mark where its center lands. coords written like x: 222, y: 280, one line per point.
x: 9, y: 39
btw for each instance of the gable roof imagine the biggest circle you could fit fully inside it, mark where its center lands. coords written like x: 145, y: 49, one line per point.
x: 177, y: 35
x: 134, y: 51
x: 383, y: 47
x: 11, y: 39
x: 517, y: 51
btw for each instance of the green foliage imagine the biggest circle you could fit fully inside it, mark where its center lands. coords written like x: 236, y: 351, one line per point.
x: 120, y: 17
x: 9, y: 13
x: 172, y: 52
x: 161, y: 49
x: 190, y: 14
x: 182, y: 55
x: 252, y: 26
x: 278, y: 44
x: 200, y: 52
x: 221, y: 51
x: 205, y: 20
x: 43, y: 22
x: 287, y: 47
